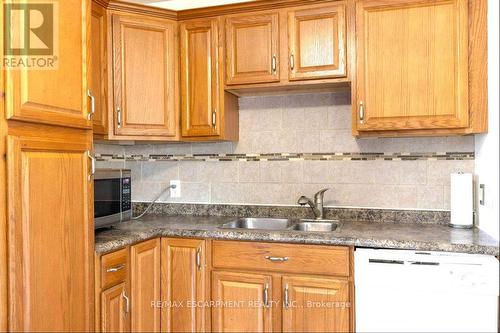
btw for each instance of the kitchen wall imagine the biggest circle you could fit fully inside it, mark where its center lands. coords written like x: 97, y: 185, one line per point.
x: 295, y: 145
x: 487, y: 145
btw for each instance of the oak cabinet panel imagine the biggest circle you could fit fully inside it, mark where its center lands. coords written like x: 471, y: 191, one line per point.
x: 246, y: 290
x: 184, y: 277
x: 252, y: 48
x: 144, y: 77
x: 98, y: 69
x: 115, y: 317
x: 412, y: 65
x: 200, y: 78
x: 55, y: 96
x: 145, y: 286
x: 316, y: 304
x: 317, y: 42
x: 50, y: 228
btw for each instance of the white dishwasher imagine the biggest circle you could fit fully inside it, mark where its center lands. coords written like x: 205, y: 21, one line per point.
x: 419, y: 291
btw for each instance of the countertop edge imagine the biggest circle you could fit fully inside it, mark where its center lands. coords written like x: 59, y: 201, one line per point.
x: 137, y: 237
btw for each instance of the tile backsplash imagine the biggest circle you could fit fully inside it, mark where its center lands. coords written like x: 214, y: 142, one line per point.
x: 295, y: 145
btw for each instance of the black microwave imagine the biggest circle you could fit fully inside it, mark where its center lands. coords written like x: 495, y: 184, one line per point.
x: 112, y: 197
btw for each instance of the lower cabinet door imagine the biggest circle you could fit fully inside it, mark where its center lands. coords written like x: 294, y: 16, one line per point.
x: 184, y: 280
x: 242, y: 302
x: 316, y: 304
x: 115, y: 308
x: 145, y: 286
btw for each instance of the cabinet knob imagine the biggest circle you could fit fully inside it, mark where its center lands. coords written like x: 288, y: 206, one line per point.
x: 274, y: 64
x: 214, y: 119
x: 198, y: 259
x: 361, y: 112
x: 127, y: 303
x: 286, y: 297
x: 119, y: 117
x: 92, y: 105
x: 292, y: 62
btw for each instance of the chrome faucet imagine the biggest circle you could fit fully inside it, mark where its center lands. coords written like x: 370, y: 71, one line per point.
x: 317, y: 205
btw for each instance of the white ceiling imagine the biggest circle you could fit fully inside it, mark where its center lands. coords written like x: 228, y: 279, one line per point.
x: 185, y: 4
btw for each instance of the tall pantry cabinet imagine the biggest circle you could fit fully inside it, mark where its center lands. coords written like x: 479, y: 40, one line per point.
x: 47, y: 213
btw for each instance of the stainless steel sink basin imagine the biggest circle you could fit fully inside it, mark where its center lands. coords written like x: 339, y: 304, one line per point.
x: 258, y: 223
x: 317, y: 225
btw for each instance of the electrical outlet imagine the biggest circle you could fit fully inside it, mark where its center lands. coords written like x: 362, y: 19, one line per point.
x: 175, y: 192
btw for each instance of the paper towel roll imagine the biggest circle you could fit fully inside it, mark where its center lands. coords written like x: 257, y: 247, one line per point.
x: 462, y: 202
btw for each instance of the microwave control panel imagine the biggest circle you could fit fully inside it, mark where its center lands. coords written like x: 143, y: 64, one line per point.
x: 126, y: 194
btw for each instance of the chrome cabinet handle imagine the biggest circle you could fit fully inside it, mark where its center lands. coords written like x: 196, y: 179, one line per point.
x: 115, y: 269
x: 119, y: 117
x: 361, y: 112
x: 277, y: 259
x: 274, y: 66
x: 92, y: 163
x: 92, y: 105
x: 214, y: 119
x: 292, y: 62
x: 286, y: 297
x: 127, y: 302
x: 198, y: 259
x: 266, y: 295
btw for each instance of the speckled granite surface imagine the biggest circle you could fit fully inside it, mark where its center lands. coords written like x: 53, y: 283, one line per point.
x: 344, y: 214
x: 426, y: 237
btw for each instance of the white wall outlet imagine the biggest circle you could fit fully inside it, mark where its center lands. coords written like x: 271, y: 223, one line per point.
x: 175, y: 192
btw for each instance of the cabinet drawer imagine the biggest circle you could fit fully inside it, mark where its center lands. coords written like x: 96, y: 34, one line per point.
x: 287, y: 258
x: 114, y: 268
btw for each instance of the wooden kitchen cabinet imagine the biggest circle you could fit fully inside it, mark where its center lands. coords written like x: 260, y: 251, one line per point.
x: 317, y: 42
x: 313, y: 304
x: 114, y: 309
x: 55, y: 95
x: 145, y: 286
x: 50, y: 228
x: 112, y: 292
x: 97, y: 77
x: 413, y: 67
x: 244, y: 302
x: 184, y: 280
x: 144, y: 78
x: 207, y: 111
x: 252, y: 47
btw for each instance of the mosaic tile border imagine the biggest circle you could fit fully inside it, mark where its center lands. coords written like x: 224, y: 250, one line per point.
x: 344, y: 214
x: 449, y: 156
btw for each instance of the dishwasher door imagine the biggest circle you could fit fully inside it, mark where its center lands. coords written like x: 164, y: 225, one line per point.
x: 409, y: 291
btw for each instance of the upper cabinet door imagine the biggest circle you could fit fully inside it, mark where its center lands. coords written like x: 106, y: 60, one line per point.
x: 56, y: 92
x: 317, y: 42
x: 412, y: 64
x: 144, y: 77
x: 200, y: 78
x: 97, y: 69
x: 299, y: 316
x: 252, y: 46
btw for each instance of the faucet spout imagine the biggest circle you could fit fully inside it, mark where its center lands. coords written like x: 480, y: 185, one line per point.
x: 303, y: 200
x: 317, y: 205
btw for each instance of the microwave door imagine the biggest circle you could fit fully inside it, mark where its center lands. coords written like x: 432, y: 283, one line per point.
x: 107, y: 201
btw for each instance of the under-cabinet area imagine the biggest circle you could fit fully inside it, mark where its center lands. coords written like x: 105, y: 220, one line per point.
x: 197, y: 285
x: 414, y: 68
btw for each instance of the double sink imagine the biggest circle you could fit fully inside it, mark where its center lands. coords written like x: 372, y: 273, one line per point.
x: 305, y: 225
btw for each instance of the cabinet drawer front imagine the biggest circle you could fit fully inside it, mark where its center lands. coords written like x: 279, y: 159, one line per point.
x: 324, y: 260
x: 114, y: 268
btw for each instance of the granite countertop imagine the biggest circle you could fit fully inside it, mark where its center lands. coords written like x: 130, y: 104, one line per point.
x: 424, y: 237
